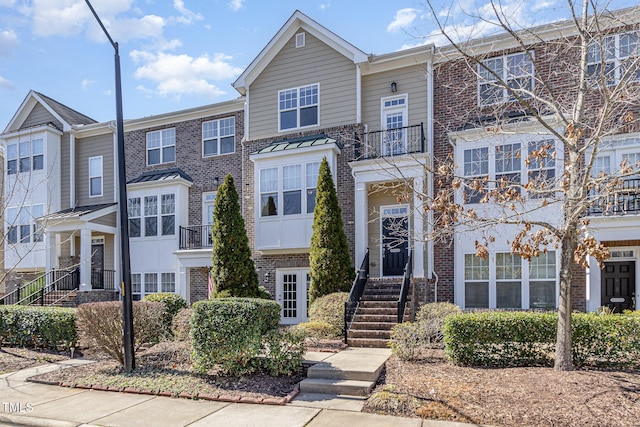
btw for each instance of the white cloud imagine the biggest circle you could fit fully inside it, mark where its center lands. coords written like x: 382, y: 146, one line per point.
x: 182, y: 74
x: 324, y: 6
x: 86, y: 83
x: 8, y: 40
x: 147, y: 27
x: 404, y: 18
x: 236, y: 5
x: 188, y: 16
x: 6, y: 84
x: 6, y: 3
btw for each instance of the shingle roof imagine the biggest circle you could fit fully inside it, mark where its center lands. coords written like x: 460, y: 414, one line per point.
x: 69, y: 115
x: 160, y: 175
x: 301, y: 142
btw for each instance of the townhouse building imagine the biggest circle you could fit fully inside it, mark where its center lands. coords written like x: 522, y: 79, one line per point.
x: 383, y: 122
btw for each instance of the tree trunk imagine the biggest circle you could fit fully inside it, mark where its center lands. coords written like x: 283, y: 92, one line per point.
x: 563, y: 357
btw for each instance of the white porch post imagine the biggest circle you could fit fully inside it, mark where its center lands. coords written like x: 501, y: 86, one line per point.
x: 182, y: 287
x: 361, y: 221
x: 51, y: 251
x: 418, y: 227
x: 85, y: 259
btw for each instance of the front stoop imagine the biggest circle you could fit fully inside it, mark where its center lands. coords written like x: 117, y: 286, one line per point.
x: 352, y: 372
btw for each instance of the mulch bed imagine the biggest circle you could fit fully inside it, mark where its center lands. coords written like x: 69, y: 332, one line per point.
x: 435, y: 389
x: 13, y: 358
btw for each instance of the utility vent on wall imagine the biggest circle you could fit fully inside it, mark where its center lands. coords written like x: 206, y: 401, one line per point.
x: 300, y: 40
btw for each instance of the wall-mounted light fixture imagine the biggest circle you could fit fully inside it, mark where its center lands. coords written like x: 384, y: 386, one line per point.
x: 216, y: 181
x: 394, y: 87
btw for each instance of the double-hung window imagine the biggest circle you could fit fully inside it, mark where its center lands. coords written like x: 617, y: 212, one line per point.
x: 542, y: 281
x: 269, y: 192
x: 134, y: 211
x: 299, y: 107
x: 95, y: 176
x: 158, y: 213
x: 609, y: 58
x: 292, y: 189
x: 218, y: 137
x: 22, y: 226
x: 476, y: 282
x: 25, y: 156
x: 508, y: 165
x: 508, y: 280
x: 168, y: 282
x: 161, y: 146
x: 476, y: 171
x: 150, y: 283
x: 313, y: 170
x: 151, y: 215
x: 168, y: 213
x: 542, y: 164
x: 499, y: 77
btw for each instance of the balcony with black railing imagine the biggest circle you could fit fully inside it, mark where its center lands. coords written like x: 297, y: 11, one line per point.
x: 623, y: 200
x: 391, y: 142
x: 195, y: 237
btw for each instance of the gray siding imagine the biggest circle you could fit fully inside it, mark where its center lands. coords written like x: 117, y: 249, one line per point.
x: 410, y: 80
x: 65, y: 171
x: 40, y: 115
x: 293, y: 67
x: 108, y: 220
x: 101, y: 145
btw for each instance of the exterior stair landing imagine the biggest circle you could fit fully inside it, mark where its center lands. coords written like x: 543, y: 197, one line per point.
x: 352, y: 372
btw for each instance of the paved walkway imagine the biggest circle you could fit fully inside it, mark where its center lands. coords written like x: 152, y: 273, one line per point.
x: 26, y: 403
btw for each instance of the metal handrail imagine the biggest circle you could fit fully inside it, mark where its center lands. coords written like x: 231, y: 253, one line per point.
x: 404, y: 290
x: 195, y: 237
x: 355, y: 295
x: 392, y: 142
x: 14, y: 297
x: 70, y: 281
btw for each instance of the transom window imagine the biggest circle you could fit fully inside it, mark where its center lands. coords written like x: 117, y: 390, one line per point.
x: 284, y: 185
x: 498, y: 74
x: 95, y: 176
x: 610, y: 57
x: 218, y: 137
x: 22, y: 226
x: 161, y: 146
x: 159, y: 215
x: 25, y: 157
x: 299, y: 107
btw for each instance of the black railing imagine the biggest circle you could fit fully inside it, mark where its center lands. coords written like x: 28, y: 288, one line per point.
x: 34, y: 291
x: 624, y: 199
x: 351, y: 305
x: 404, y: 290
x: 103, y: 279
x: 391, y: 142
x: 195, y: 237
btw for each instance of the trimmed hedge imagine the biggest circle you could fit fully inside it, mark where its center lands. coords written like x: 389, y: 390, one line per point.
x: 43, y: 327
x: 228, y: 332
x: 508, y: 339
x: 172, y: 304
x: 329, y: 309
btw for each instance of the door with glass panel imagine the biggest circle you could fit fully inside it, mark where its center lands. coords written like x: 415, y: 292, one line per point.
x: 292, y: 287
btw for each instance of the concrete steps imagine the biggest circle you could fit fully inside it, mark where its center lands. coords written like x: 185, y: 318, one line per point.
x: 353, y: 372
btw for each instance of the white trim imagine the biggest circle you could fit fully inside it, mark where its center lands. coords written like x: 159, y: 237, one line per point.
x: 298, y: 108
x: 162, y: 161
x: 301, y: 293
x: 101, y: 176
x: 300, y: 40
x: 217, y: 138
x: 382, y: 216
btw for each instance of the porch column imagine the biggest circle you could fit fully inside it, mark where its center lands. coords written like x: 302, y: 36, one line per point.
x: 85, y: 259
x: 182, y: 284
x: 361, y: 221
x: 51, y: 251
x: 418, y: 227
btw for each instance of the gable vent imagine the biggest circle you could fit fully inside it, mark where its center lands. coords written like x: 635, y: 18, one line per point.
x: 300, y: 40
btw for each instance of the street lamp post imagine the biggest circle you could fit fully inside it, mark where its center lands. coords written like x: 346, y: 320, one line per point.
x: 127, y: 301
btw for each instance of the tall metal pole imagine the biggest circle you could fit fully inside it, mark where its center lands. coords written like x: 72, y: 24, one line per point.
x: 127, y: 301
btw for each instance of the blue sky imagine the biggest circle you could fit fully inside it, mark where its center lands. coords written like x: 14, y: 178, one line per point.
x: 179, y: 54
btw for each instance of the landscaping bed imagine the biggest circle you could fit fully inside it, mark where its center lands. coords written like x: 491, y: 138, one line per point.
x: 167, y: 369
x: 433, y: 388
x: 14, y: 358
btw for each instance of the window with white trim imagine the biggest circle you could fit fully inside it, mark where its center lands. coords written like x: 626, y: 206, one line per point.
x: 610, y: 57
x: 299, y: 107
x: 541, y: 161
x: 284, y: 185
x: 136, y: 286
x: 168, y: 282
x: 168, y: 214
x: 22, y: 226
x: 508, y: 280
x: 218, y: 137
x: 147, y: 283
x: 300, y: 39
x: 151, y: 215
x: 476, y: 173
x: 95, y: 176
x: 542, y: 281
x: 150, y: 283
x: 497, y: 75
x: 158, y: 213
x: 25, y: 157
x: 134, y: 212
x: 161, y: 146
x: 394, y: 119
x: 476, y: 282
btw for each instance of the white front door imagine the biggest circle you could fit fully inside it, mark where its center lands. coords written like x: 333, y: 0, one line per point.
x: 292, y: 288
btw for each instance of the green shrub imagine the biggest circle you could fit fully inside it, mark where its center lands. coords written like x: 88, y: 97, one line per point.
x: 44, y: 327
x: 172, y: 304
x: 284, y: 350
x: 528, y: 339
x: 329, y: 309
x: 228, y: 332
x: 180, y: 327
x: 100, y: 325
x: 317, y: 330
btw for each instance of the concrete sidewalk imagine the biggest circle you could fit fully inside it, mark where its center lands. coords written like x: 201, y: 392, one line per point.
x: 26, y: 403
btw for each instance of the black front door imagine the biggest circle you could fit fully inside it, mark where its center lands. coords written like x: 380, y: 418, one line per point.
x: 97, y: 266
x: 395, y: 245
x: 619, y: 285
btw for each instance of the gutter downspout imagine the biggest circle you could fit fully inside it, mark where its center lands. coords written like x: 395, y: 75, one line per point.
x: 430, y: 144
x: 72, y: 170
